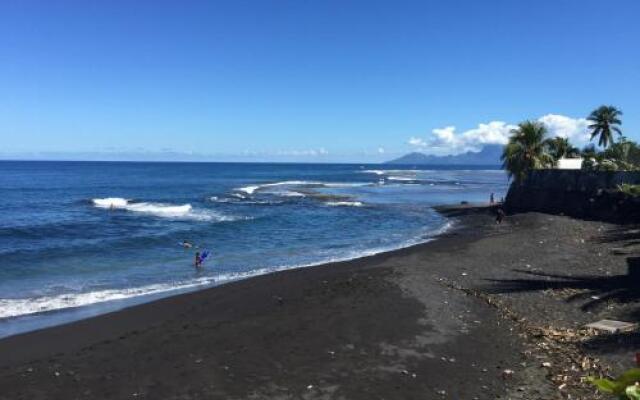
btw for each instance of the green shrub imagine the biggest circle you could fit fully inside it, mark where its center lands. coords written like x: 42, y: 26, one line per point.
x: 623, y: 155
x: 625, y: 387
x: 631, y: 190
x: 607, y: 165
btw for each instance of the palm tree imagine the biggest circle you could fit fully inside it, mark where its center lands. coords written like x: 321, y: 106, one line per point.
x: 605, y: 119
x: 526, y: 150
x: 560, y: 147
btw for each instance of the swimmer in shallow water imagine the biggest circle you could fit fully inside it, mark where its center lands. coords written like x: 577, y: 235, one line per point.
x: 186, y: 244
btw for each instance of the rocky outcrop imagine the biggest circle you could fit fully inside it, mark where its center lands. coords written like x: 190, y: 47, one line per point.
x: 580, y: 194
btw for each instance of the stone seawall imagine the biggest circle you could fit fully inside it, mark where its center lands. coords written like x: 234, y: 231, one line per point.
x: 581, y: 194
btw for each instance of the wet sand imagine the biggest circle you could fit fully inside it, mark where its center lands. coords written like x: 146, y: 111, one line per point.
x: 406, y: 324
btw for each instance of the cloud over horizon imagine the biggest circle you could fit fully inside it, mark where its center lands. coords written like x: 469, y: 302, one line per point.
x: 445, y: 141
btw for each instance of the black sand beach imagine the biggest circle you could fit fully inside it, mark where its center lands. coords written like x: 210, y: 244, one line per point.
x: 484, y: 312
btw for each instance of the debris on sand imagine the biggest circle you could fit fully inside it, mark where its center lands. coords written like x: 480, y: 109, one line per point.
x: 612, y: 326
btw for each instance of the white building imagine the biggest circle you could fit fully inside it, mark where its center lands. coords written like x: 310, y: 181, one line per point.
x: 569, y: 163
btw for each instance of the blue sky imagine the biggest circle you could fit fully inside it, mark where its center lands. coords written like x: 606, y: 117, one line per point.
x: 306, y: 80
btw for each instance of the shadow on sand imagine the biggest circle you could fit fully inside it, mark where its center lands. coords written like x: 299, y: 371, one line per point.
x: 628, y: 234
x: 616, y: 342
x: 597, y: 290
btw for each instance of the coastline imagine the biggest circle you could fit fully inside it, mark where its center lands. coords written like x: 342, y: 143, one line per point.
x: 69, y: 315
x: 376, y: 256
x: 443, y: 319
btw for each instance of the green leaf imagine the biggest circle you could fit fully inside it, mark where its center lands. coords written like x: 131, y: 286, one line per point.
x: 630, y: 377
x: 607, y: 385
x: 624, y: 386
x: 633, y: 392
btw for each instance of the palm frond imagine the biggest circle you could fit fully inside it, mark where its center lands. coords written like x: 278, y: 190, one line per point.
x: 605, y: 120
x: 526, y: 149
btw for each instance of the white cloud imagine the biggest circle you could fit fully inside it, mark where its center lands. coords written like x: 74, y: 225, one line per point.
x: 414, y: 141
x: 446, y: 137
x: 447, y: 141
x: 575, y: 129
x: 307, y: 152
x: 319, y: 152
x: 380, y: 150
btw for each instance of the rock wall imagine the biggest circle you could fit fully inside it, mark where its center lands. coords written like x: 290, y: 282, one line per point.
x: 581, y: 194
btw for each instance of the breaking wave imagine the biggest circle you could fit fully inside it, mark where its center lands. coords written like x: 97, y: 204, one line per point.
x: 252, y: 189
x: 19, y: 307
x: 162, y: 210
x: 242, y: 200
x: 291, y: 193
x: 402, y: 178
x: 15, y: 307
x: 345, y: 203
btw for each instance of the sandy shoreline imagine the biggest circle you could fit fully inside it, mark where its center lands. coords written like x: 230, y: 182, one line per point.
x: 24, y: 323
x: 393, y: 325
x: 362, y: 260
x: 90, y: 311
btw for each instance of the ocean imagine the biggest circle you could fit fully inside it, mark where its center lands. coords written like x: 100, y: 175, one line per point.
x: 79, y: 239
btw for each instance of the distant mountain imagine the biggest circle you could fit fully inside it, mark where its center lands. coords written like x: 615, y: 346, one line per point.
x: 489, y: 155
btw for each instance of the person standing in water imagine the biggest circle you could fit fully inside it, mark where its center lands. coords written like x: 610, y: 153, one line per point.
x: 491, y: 199
x: 198, y: 261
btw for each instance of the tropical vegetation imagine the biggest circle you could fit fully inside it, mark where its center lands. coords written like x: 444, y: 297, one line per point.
x: 526, y: 150
x: 623, y: 155
x: 559, y: 147
x: 529, y: 147
x: 604, y: 121
x: 625, y: 387
x: 629, y: 189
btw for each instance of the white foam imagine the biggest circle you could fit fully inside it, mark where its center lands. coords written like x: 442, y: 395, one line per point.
x: 184, y: 211
x: 161, y: 210
x: 374, y: 171
x: 236, y: 200
x: 344, y: 203
x: 290, y: 193
x: 111, y: 202
x: 217, y: 199
x: 251, y: 189
x: 343, y: 184
x: 16, y: 307
x: 401, y: 178
x: 19, y: 307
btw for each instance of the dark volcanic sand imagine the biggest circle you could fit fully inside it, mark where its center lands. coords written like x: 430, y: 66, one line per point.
x: 382, y: 327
